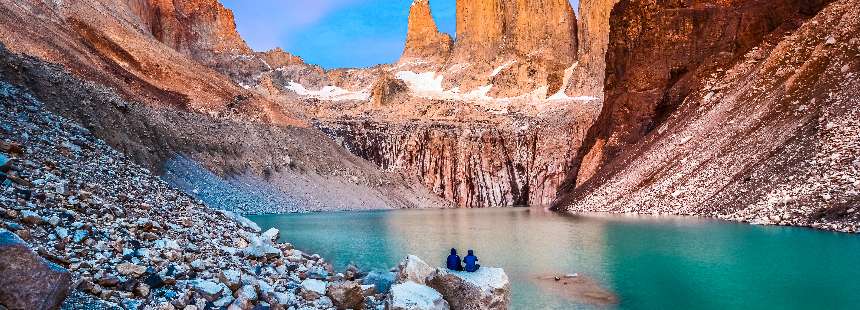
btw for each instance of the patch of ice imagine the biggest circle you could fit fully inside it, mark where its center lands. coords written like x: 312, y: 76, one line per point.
x: 504, y: 66
x: 332, y: 93
x: 422, y: 84
x: 429, y: 85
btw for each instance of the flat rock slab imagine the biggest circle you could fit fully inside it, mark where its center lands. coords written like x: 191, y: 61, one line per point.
x: 27, y: 281
x: 487, y: 288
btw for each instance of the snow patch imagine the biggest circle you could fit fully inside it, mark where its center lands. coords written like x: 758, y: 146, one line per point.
x: 332, y: 93
x: 428, y: 85
x: 561, y: 95
x: 504, y: 66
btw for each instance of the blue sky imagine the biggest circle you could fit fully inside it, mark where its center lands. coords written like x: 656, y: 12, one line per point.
x: 334, y: 33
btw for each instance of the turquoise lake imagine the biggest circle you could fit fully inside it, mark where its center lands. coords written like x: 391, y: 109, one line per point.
x: 648, y: 262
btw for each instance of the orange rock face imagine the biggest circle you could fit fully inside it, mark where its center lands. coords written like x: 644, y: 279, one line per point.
x: 198, y: 28
x: 423, y: 39
x: 514, y: 47
x: 487, y: 27
x: 593, y: 39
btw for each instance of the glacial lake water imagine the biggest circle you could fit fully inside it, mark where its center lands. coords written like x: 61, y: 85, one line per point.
x: 647, y: 262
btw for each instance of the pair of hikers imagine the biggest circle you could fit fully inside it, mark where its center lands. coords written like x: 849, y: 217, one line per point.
x: 470, y: 260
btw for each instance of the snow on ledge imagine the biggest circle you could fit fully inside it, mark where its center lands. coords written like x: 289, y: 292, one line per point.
x: 428, y: 85
x: 504, y: 66
x: 332, y: 93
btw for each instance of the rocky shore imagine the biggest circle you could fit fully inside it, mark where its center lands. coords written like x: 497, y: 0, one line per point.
x: 125, y: 239
x: 95, y: 231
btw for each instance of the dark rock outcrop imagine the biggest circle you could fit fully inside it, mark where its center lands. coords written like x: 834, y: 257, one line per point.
x: 28, y: 281
x: 388, y: 90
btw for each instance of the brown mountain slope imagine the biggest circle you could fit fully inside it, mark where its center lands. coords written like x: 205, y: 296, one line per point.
x: 105, y: 41
x: 659, y: 51
x: 173, y: 103
x: 774, y: 138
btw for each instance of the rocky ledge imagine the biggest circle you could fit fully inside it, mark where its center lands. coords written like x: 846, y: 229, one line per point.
x: 421, y: 287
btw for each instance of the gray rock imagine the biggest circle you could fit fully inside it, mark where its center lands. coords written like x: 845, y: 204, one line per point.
x: 231, y: 278
x: 247, y: 292
x: 208, y: 290
x: 314, y: 285
x: 271, y: 235
x: 381, y: 280
x: 284, y: 299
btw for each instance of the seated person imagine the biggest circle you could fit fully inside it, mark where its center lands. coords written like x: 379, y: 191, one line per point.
x: 471, y: 262
x: 454, y: 261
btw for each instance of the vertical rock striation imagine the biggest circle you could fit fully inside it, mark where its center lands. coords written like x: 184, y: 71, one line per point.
x: 471, y: 165
x: 593, y: 39
x: 487, y: 28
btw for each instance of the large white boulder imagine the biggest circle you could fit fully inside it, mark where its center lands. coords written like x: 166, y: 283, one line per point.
x: 260, y: 246
x: 412, y: 268
x: 488, y: 288
x: 413, y: 296
x: 314, y: 285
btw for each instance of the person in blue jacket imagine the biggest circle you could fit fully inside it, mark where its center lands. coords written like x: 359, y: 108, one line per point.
x: 454, y: 261
x: 471, y: 262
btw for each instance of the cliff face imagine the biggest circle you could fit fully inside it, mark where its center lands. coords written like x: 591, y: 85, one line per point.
x: 423, y: 39
x: 593, y: 40
x: 503, y: 48
x: 659, y: 51
x: 199, y: 28
x: 516, y: 47
x: 471, y: 165
x: 472, y: 100
x: 490, y: 27
x: 770, y: 138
